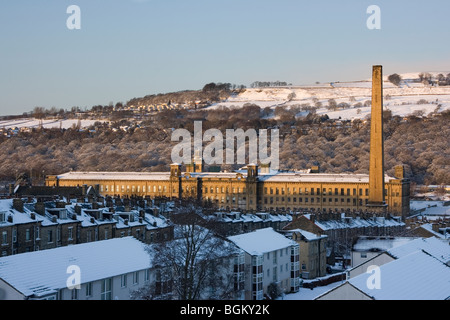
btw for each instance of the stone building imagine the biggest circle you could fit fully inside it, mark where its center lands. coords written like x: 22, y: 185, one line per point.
x: 34, y: 226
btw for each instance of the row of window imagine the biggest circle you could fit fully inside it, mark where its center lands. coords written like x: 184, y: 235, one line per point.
x: 106, y: 286
x: 317, y: 191
x: 50, y: 235
x: 132, y: 188
x: 234, y: 190
x: 271, y: 200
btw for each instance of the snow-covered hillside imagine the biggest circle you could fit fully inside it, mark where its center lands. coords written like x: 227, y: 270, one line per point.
x: 47, y: 123
x: 402, y: 100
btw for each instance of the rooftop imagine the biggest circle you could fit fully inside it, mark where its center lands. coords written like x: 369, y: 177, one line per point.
x: 43, y: 272
x: 261, y: 241
x: 366, y: 243
x: 416, y: 276
x: 271, y: 177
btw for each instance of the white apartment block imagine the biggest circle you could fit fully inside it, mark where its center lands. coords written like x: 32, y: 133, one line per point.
x: 103, y: 270
x: 270, y: 258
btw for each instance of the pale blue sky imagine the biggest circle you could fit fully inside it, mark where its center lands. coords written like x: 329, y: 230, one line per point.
x: 131, y: 48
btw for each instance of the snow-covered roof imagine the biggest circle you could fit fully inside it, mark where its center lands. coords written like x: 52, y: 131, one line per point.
x: 434, y: 246
x: 6, y: 207
x: 261, y: 241
x: 236, y: 217
x: 367, y: 243
x: 274, y: 176
x: 114, y: 176
x: 349, y: 222
x: 318, y: 177
x: 43, y: 272
x: 429, y: 228
x: 416, y: 276
x: 309, y: 236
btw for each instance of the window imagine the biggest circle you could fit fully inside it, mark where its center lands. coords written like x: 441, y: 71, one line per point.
x: 38, y: 233
x: 50, y: 236
x: 14, y: 235
x: 106, y: 290
x: 123, y: 281
x: 27, y: 235
x: 89, y: 289
x: 363, y: 255
x: 106, y: 234
x: 147, y: 275
x: 70, y: 231
x: 136, y: 277
x: 4, y: 237
x: 74, y: 294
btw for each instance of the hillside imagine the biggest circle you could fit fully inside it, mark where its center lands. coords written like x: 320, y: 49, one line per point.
x: 409, y: 97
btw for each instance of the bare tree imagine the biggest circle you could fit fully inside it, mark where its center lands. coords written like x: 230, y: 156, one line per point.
x: 197, y: 265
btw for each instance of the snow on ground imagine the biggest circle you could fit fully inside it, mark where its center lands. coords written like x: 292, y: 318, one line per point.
x: 310, y: 294
x: 402, y: 100
x: 47, y: 123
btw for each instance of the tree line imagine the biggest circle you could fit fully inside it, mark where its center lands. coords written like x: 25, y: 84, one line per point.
x: 421, y: 144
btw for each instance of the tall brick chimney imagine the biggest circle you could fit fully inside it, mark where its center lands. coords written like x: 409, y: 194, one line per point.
x: 376, y: 171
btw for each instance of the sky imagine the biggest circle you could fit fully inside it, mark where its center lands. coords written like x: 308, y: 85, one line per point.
x: 132, y: 48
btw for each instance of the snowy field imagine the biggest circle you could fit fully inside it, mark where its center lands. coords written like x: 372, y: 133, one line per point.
x: 48, y: 123
x: 402, y: 100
